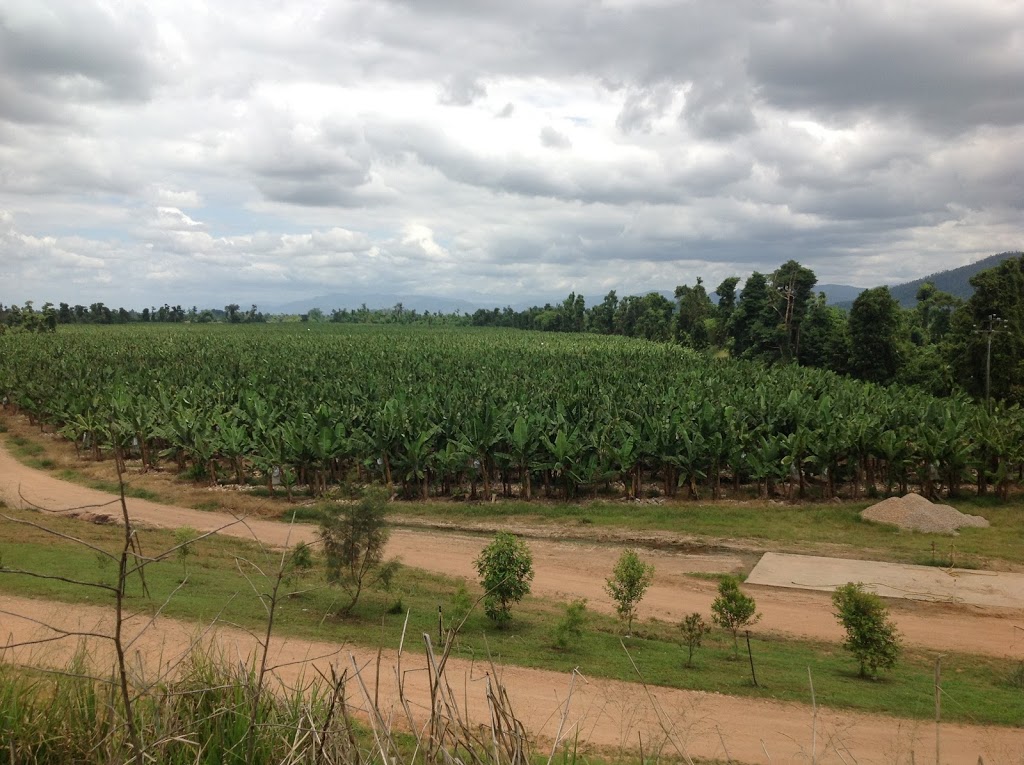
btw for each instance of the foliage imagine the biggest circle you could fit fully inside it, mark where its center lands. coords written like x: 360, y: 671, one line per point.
x: 184, y: 537
x: 732, y: 610
x: 694, y: 628
x: 443, y: 412
x: 568, y: 631
x: 353, y: 537
x: 301, y: 558
x: 629, y: 581
x: 505, y: 567
x: 871, y: 636
x: 875, y: 336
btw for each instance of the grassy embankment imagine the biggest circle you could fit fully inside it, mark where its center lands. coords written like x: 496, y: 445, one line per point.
x: 977, y: 689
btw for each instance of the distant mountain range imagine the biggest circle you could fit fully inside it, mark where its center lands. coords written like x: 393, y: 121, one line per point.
x: 955, y: 281
x: 419, y: 303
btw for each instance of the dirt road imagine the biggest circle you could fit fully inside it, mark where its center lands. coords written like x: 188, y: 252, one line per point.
x: 606, y: 713
x: 571, y: 570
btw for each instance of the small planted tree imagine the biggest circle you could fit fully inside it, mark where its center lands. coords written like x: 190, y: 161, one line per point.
x: 871, y: 636
x: 694, y: 628
x: 505, y: 567
x: 353, y: 537
x: 183, y: 546
x: 733, y: 611
x: 629, y: 581
x: 569, y: 631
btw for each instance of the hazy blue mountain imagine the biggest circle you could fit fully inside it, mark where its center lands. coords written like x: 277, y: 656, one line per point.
x: 956, y: 281
x: 838, y: 293
x: 328, y: 303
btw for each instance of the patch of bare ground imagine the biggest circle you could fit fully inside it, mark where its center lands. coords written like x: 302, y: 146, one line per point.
x: 609, y: 716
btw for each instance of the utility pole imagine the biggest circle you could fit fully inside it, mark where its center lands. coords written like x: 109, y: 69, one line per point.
x: 994, y: 326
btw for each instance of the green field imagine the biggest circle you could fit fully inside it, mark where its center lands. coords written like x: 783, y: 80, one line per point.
x: 464, y: 413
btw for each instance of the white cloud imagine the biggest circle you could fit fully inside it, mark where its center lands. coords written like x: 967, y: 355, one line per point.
x: 202, y: 152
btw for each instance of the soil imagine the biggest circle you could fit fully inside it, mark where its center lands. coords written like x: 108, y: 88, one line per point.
x: 608, y: 715
x: 565, y: 570
x: 917, y: 513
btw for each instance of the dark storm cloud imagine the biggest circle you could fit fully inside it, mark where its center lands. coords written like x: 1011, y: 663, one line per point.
x: 944, y: 66
x: 75, y: 52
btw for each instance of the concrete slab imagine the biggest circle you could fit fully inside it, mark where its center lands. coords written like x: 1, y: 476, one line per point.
x: 891, y: 580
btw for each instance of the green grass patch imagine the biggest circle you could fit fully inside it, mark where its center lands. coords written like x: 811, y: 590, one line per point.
x: 24, y: 448
x: 708, y: 576
x: 129, y: 490
x: 785, y: 527
x: 206, y: 506
x: 978, y: 689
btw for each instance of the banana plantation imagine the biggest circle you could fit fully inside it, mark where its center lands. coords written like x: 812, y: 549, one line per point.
x: 483, y: 412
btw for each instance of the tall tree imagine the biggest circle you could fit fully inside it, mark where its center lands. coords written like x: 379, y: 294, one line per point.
x: 792, y: 288
x: 693, y: 311
x: 988, y: 333
x: 825, y: 341
x: 753, y: 324
x: 875, y: 325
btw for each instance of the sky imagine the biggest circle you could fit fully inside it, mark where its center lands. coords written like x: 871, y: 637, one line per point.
x: 201, y: 153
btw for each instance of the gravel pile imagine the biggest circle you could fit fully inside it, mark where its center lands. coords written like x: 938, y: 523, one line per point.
x: 916, y: 513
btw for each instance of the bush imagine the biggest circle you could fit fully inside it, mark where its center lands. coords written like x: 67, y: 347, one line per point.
x: 568, y: 631
x: 629, y: 581
x: 302, y: 557
x: 871, y: 635
x: 353, y: 537
x: 505, y: 567
x: 694, y: 628
x: 184, y: 547
x: 732, y: 611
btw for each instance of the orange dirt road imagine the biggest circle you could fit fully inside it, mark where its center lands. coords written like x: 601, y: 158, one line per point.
x: 606, y: 713
x: 571, y: 570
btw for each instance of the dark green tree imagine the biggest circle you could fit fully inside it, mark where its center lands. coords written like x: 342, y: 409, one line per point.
x: 993, y: 315
x: 871, y: 635
x: 754, y: 322
x: 694, y: 309
x: 824, y: 342
x: 792, y: 288
x: 875, y: 334
x: 505, y: 567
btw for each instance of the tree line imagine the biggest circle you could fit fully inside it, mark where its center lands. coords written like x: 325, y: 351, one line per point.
x: 943, y: 344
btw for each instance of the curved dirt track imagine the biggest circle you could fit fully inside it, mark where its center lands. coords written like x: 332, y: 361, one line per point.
x: 606, y: 713
x: 569, y: 570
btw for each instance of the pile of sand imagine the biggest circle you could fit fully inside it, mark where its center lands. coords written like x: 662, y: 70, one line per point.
x: 916, y: 513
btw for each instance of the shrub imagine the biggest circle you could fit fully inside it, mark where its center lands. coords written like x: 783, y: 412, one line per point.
x: 353, y: 537
x: 629, y: 581
x: 694, y: 628
x: 184, y: 547
x: 505, y: 567
x: 568, y: 631
x: 732, y: 611
x: 871, y: 635
x: 301, y: 557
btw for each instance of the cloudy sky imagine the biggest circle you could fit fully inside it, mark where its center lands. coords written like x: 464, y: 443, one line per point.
x: 204, y: 152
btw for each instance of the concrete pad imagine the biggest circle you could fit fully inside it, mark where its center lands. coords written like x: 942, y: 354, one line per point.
x: 891, y: 580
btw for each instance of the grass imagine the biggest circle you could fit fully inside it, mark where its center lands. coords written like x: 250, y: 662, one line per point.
x: 977, y: 689
x: 814, y: 528
x: 835, y: 529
